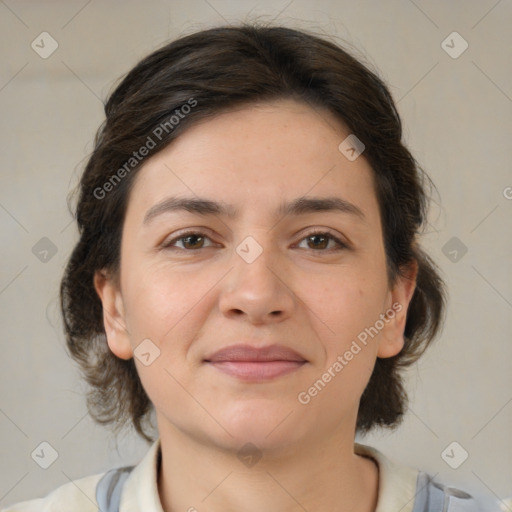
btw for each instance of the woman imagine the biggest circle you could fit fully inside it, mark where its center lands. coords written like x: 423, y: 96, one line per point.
x: 248, y: 269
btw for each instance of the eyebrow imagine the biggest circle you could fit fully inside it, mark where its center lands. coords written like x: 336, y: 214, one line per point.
x: 299, y: 206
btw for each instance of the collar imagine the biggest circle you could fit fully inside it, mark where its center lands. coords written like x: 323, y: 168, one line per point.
x: 397, y: 484
x: 141, y: 487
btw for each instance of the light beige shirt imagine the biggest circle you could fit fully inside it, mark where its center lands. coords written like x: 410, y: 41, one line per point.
x: 397, y: 488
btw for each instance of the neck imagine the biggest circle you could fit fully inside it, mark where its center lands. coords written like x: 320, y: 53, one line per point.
x: 322, y: 475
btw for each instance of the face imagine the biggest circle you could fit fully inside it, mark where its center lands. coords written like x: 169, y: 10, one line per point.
x: 288, y: 251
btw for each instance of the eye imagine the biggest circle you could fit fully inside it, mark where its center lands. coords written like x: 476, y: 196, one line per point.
x: 322, y: 241
x: 191, y: 240
x: 319, y: 240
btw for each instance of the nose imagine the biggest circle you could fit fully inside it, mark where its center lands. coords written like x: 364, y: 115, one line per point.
x: 258, y: 291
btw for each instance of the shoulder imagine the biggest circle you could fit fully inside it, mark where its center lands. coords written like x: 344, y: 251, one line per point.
x: 410, y: 490
x: 102, y: 491
x: 78, y: 494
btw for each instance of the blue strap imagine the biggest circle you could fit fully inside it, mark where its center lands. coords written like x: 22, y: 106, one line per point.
x: 434, y: 497
x: 109, y: 488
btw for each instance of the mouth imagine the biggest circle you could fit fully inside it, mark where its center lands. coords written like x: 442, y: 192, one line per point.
x: 256, y: 363
x: 257, y: 370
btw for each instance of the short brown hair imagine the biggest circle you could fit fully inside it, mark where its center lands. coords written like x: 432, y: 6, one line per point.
x: 221, y: 68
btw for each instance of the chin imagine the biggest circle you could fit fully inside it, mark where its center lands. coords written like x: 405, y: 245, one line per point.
x: 265, y: 424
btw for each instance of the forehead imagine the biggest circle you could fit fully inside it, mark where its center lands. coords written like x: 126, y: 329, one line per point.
x: 256, y: 156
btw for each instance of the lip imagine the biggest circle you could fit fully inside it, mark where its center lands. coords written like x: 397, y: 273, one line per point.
x: 251, y: 363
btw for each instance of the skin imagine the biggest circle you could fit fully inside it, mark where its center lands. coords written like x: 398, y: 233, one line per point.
x: 306, y: 294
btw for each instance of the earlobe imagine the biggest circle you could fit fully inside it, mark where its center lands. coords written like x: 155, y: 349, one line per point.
x: 392, y: 339
x: 113, y: 315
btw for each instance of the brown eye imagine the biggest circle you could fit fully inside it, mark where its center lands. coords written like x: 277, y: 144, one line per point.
x: 189, y: 241
x: 319, y: 241
x: 192, y: 241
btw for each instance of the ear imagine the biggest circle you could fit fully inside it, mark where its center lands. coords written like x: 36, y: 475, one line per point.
x: 391, y: 340
x: 113, y: 314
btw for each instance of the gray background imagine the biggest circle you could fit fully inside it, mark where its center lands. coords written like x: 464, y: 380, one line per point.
x: 457, y: 115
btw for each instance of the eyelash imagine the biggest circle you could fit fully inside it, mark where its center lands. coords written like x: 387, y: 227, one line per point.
x: 340, y: 245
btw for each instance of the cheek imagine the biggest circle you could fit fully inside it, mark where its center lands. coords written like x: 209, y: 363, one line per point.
x: 346, y: 304
x: 170, y: 306
x: 343, y: 316
x: 345, y: 312
x: 156, y: 301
